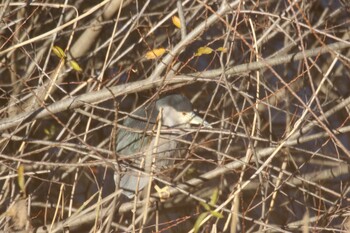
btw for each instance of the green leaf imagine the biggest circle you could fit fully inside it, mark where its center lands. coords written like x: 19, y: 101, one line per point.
x: 206, y: 206
x: 214, y: 197
x: 216, y: 214
x: 198, y: 222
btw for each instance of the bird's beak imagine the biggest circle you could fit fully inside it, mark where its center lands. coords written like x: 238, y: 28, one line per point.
x: 196, y: 120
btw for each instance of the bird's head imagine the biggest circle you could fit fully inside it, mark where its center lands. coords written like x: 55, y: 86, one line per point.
x: 177, y: 112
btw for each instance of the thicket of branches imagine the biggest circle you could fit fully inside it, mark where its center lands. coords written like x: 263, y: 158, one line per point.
x: 272, y: 78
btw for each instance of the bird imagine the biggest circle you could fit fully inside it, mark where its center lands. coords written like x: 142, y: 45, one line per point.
x: 146, y: 151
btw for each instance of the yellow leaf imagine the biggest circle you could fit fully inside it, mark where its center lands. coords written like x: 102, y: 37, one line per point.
x: 58, y: 51
x: 222, y: 49
x: 75, y: 66
x: 21, y: 181
x: 155, y: 53
x: 203, y: 50
x: 176, y: 21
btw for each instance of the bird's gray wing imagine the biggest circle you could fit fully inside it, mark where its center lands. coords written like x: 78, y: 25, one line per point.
x: 130, y: 142
x: 133, y: 139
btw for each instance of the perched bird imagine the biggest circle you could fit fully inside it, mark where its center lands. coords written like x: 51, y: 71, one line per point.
x: 146, y: 151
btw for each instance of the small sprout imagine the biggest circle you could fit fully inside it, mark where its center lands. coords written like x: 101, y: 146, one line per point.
x: 58, y: 52
x: 176, y: 21
x: 155, y: 53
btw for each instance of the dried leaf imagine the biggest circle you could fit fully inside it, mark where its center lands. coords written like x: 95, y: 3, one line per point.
x: 75, y: 66
x: 155, y: 53
x: 20, y: 178
x: 18, y: 214
x: 58, y: 52
x: 203, y: 50
x: 163, y: 193
x: 176, y: 21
